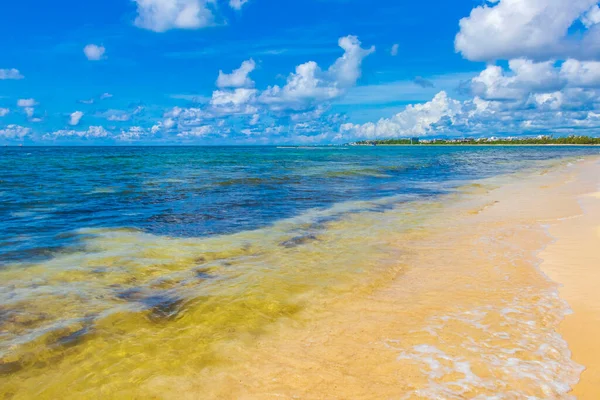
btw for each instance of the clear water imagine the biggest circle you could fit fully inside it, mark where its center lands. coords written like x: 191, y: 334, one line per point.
x: 47, y: 194
x: 107, y: 253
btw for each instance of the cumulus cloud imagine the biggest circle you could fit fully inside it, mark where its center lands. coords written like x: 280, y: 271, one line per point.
x: 237, y: 4
x: 394, y: 49
x: 75, y: 117
x: 527, y: 97
x: 552, y: 101
x: 4, y: 111
x: 105, y: 96
x: 238, y: 101
x: 239, y: 77
x: 524, y: 77
x: 93, y: 132
x: 591, y: 17
x: 10, y: 74
x: 134, y: 133
x: 297, y: 108
x: 28, y: 107
x: 414, y: 120
x: 165, y: 125
x: 309, y: 84
x: 536, y: 29
x: 196, y: 132
x: 163, y: 15
x: 14, y: 132
x: 26, y: 102
x: 569, y: 111
x: 581, y: 74
x: 116, y: 115
x: 94, y: 52
x: 542, y: 91
x: 347, y: 69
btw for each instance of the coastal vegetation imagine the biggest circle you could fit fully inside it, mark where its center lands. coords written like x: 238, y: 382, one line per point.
x: 537, y: 140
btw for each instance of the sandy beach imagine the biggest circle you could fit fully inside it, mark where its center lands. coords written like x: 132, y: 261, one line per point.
x: 472, y: 313
x: 573, y: 260
x: 316, y: 200
x: 487, y: 292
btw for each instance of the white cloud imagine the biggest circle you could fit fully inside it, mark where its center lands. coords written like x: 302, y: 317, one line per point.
x: 346, y: 70
x: 165, y: 125
x: 525, y: 28
x: 94, y: 52
x: 553, y: 101
x: 14, y: 132
x: 526, y: 76
x: 168, y: 123
x: 10, y: 74
x: 163, y: 15
x: 105, y: 96
x: 239, y: 77
x: 94, y: 132
x: 75, y: 117
x: 134, y: 133
x: 591, y: 17
x: 568, y: 111
x: 414, y: 120
x: 27, y: 106
x: 394, y: 49
x: 116, y: 115
x: 237, y: 4
x: 581, y: 74
x: 4, y: 111
x: 310, y: 85
x: 233, y: 102
x: 26, y: 102
x: 197, y: 132
x: 295, y: 106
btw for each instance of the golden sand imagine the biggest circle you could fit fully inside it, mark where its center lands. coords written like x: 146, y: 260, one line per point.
x: 573, y: 260
x: 434, y: 300
x: 471, y: 316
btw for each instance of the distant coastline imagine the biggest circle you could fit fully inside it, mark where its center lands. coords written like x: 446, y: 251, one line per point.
x: 490, y: 141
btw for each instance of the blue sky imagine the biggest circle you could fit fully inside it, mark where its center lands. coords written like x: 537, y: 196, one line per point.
x: 316, y: 71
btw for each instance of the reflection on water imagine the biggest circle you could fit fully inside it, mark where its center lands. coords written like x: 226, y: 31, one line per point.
x: 121, y: 267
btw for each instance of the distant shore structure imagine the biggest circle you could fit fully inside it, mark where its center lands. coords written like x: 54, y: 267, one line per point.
x: 493, y: 140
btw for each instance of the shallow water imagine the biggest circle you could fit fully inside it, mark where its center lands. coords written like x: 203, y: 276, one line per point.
x: 124, y: 267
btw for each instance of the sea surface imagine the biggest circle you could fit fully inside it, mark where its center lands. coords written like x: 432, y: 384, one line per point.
x: 122, y: 264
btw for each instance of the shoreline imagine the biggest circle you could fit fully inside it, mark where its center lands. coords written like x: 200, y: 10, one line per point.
x: 476, y: 145
x: 472, y: 311
x: 449, y: 297
x: 573, y: 261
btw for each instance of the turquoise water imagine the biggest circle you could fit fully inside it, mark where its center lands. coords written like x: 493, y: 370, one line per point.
x: 108, y: 254
x: 47, y: 194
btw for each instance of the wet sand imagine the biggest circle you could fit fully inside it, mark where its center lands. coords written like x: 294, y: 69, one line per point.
x: 470, y: 315
x: 573, y: 260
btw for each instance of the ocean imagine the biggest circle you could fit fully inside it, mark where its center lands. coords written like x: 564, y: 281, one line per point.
x: 121, y: 265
